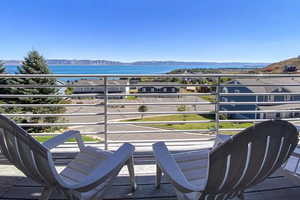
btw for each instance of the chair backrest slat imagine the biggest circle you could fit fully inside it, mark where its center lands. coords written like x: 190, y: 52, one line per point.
x: 18, y: 156
x: 12, y: 149
x: 3, y: 145
x: 262, y: 164
x: 28, y: 160
x: 249, y: 157
x: 226, y: 172
x: 279, y: 152
x: 246, y: 167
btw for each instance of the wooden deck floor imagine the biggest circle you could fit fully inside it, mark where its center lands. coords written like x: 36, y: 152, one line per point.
x: 275, y: 187
x: 14, y: 185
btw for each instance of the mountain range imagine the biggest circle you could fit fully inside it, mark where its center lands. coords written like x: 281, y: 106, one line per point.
x: 108, y: 62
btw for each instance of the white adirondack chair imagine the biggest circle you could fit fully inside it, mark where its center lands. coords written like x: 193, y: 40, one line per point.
x: 87, y: 176
x: 230, y: 167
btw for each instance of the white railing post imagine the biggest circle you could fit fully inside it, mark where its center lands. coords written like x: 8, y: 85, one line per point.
x: 217, y: 105
x: 105, y: 114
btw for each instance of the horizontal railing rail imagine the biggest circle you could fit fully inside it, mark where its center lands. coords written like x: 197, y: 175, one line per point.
x: 49, y: 105
x: 47, y: 96
x: 260, y: 102
x: 260, y: 94
x: 107, y: 108
x: 162, y: 103
x: 52, y: 115
x: 162, y: 94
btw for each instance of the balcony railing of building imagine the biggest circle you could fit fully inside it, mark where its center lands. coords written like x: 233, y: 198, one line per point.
x: 231, y: 101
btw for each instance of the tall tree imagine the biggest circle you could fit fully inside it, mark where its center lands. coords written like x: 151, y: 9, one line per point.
x: 142, y: 109
x: 2, y: 68
x: 6, y: 90
x: 34, y: 63
x: 2, y: 81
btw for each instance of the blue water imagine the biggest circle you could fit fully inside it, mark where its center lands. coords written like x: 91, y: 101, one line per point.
x: 127, y: 69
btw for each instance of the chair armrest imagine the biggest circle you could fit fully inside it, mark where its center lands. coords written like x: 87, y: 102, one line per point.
x: 296, y: 152
x: 106, y: 169
x: 169, y: 166
x: 61, y: 138
x: 221, y: 138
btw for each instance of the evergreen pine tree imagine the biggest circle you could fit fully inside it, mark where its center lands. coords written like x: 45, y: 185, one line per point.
x: 3, y: 90
x: 2, y: 81
x: 34, y: 63
x: 2, y: 68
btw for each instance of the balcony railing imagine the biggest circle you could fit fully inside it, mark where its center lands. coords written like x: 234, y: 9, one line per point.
x: 105, y: 114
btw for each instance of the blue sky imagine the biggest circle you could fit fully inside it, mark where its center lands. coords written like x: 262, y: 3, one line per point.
x: 129, y: 30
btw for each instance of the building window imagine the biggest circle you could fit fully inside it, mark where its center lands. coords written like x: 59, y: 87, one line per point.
x: 152, y: 90
x: 270, y: 98
x: 233, y: 105
x: 261, y: 115
x: 287, y: 98
x: 236, y: 91
x: 224, y: 99
x: 225, y: 90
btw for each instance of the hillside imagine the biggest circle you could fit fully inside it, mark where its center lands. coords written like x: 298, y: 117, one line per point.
x: 291, y: 65
x: 140, y: 63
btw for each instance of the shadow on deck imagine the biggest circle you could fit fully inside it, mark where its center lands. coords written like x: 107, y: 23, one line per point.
x: 275, y: 187
x: 14, y: 185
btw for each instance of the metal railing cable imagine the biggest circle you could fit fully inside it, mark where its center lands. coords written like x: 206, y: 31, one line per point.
x: 106, y: 108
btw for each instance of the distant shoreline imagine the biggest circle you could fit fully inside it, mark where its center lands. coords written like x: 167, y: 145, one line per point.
x: 159, y: 65
x: 62, y: 62
x: 142, y: 69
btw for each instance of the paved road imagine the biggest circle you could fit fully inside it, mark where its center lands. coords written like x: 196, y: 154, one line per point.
x: 151, y: 108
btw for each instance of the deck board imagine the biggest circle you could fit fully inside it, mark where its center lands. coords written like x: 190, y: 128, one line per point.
x: 275, y: 187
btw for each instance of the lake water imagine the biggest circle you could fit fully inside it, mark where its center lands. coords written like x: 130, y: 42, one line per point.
x: 126, y: 69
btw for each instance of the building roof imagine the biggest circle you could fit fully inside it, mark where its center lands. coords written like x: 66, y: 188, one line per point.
x: 99, y: 82
x: 281, y: 107
x: 269, y: 81
x: 158, y: 83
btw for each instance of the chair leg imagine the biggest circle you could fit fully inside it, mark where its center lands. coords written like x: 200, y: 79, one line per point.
x: 130, y: 166
x: 69, y: 195
x: 46, y: 193
x: 158, y: 176
x: 241, y: 195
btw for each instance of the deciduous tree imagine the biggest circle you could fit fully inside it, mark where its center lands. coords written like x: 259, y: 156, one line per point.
x: 143, y: 108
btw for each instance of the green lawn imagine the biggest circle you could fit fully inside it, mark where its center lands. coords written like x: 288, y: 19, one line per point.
x: 84, y: 137
x: 187, y: 126
x: 131, y: 97
x: 210, y: 98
